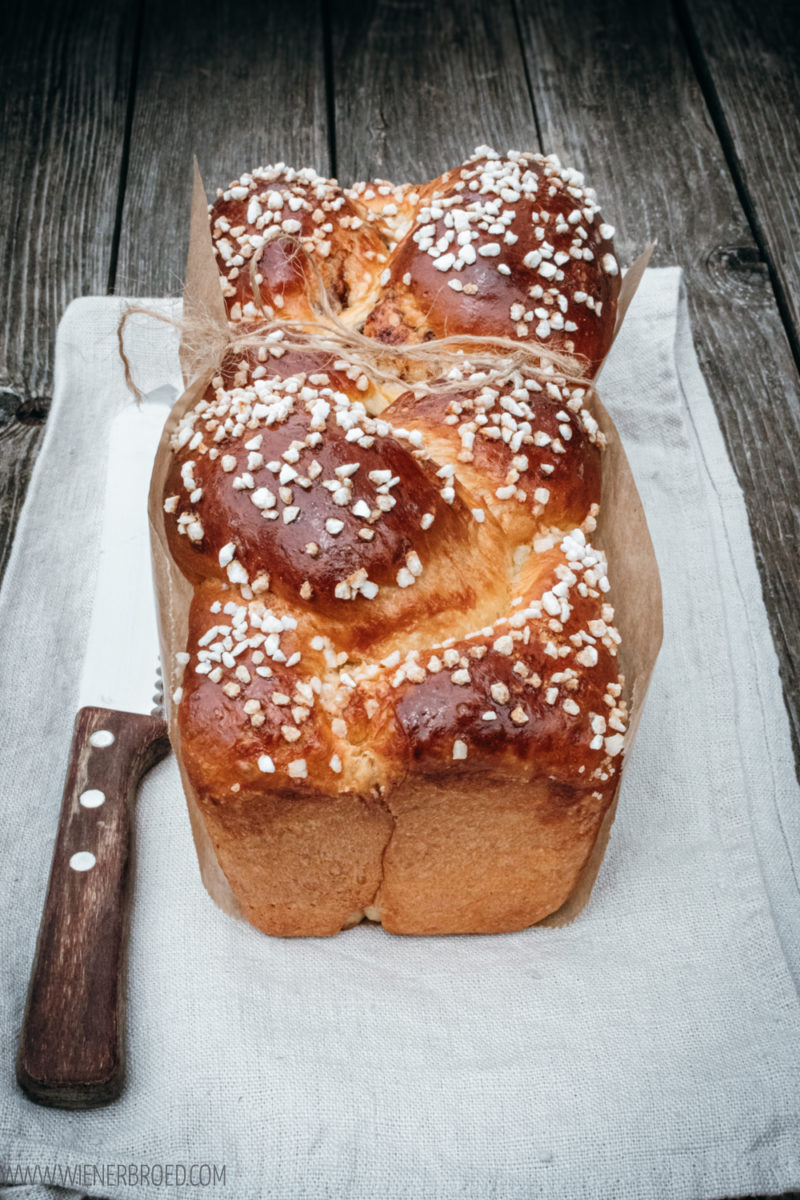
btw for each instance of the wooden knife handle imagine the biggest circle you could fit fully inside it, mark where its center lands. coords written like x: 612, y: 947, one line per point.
x: 72, y: 1052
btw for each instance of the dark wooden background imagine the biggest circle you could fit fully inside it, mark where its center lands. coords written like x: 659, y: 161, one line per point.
x: 684, y: 114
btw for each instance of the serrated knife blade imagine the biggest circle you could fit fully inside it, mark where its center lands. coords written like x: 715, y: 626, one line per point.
x: 71, y: 1051
x: 119, y: 666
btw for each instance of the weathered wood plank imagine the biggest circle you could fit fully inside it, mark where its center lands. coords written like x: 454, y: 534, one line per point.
x: 237, y: 85
x: 748, y: 61
x: 64, y: 77
x: 19, y: 445
x: 633, y: 117
x: 418, y: 86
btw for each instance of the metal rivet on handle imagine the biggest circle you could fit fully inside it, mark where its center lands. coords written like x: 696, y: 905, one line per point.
x: 84, y: 860
x: 92, y: 798
x: 101, y: 738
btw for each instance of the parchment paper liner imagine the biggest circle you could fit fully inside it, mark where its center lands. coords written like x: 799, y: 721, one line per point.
x: 621, y: 533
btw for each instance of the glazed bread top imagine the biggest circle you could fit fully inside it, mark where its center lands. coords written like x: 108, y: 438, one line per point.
x: 505, y: 246
x: 370, y: 594
x: 391, y: 580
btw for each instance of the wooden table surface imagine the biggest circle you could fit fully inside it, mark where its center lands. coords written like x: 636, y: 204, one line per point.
x: 684, y: 114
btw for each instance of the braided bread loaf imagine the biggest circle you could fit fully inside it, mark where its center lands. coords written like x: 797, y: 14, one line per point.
x: 401, y: 697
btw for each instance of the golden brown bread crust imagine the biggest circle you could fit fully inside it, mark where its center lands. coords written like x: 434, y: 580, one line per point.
x: 400, y: 696
x: 390, y: 208
x: 336, y: 531
x: 257, y: 224
x: 536, y: 477
x: 488, y: 858
x: 503, y: 247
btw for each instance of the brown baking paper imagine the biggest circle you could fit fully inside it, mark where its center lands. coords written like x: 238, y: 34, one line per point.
x: 621, y: 533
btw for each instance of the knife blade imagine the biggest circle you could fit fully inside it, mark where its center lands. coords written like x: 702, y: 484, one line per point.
x: 71, y: 1050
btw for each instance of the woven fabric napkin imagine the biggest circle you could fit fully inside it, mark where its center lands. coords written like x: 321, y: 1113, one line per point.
x: 649, y: 1049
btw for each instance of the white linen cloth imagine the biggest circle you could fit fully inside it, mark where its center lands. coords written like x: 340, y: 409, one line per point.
x: 651, y: 1049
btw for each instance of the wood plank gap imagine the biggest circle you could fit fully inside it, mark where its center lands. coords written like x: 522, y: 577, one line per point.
x: 528, y: 81
x: 330, y: 83
x: 126, y: 149
x: 716, y: 112
x: 421, y: 83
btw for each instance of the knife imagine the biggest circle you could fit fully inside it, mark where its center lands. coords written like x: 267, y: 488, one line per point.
x: 71, y: 1050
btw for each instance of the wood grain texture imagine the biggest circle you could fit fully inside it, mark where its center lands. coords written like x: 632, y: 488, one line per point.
x: 632, y: 116
x: 417, y: 86
x: 19, y: 445
x: 748, y: 59
x: 237, y: 85
x: 64, y: 79
x: 71, y: 1052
